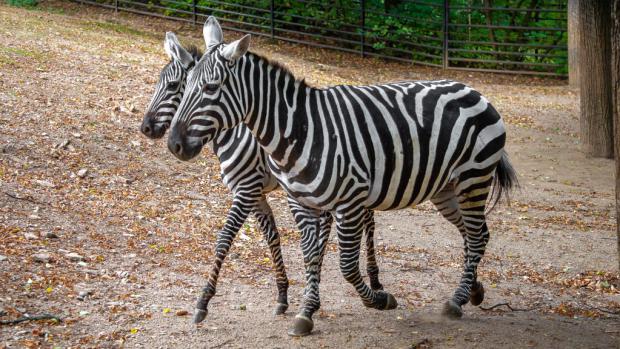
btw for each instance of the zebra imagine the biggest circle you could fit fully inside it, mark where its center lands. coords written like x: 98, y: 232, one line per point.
x: 244, y: 170
x: 347, y: 149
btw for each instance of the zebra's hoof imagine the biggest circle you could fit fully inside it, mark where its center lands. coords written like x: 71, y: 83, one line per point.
x: 477, y: 294
x: 452, y: 310
x: 383, y: 301
x: 199, y: 315
x: 391, y: 302
x: 301, y: 327
x: 280, y: 309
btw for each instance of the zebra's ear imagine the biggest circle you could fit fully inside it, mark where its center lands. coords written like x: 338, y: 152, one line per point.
x: 212, y: 32
x: 175, y: 51
x: 237, y: 48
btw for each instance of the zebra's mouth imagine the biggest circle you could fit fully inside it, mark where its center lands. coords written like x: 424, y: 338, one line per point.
x: 153, y: 130
x: 184, y: 149
x: 159, y: 130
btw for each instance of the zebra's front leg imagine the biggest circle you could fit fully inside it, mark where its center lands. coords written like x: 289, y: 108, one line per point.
x: 235, y: 218
x: 350, y: 227
x: 267, y: 224
x: 308, y: 222
x: 371, y: 260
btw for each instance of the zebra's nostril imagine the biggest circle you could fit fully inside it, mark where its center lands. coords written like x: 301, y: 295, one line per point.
x: 178, y: 148
x: 146, y: 130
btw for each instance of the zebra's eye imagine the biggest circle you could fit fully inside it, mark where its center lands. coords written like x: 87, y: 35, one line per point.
x: 173, y: 85
x: 210, y: 87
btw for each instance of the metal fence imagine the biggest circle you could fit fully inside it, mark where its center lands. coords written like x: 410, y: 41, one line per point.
x: 527, y: 37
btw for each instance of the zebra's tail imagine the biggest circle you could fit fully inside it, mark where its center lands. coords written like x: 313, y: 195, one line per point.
x: 504, y: 181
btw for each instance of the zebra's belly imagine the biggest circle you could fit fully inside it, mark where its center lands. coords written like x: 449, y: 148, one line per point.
x: 270, y: 183
x: 324, y: 197
x: 399, y: 199
x: 404, y: 182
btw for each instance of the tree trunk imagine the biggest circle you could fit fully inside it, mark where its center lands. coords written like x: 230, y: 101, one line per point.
x: 573, y: 43
x: 595, y: 69
x: 615, y: 65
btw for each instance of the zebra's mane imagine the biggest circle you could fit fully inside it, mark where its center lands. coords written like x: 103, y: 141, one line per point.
x: 281, y: 66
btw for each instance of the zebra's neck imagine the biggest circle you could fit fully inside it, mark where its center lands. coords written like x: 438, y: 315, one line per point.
x: 278, y: 113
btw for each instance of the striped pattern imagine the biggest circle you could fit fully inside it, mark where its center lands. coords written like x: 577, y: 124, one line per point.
x: 245, y: 171
x: 350, y: 149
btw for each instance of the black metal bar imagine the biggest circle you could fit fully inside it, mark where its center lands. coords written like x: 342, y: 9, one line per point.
x: 491, y: 43
x: 431, y: 4
x: 404, y: 17
x: 194, y: 14
x: 368, y: 34
x: 496, y: 61
x: 231, y: 4
x: 363, y: 25
x: 271, y: 8
x: 507, y: 53
x: 446, y: 22
x: 319, y: 36
x: 147, y: 13
x: 128, y: 9
x: 505, y: 27
x: 504, y: 71
x: 507, y: 9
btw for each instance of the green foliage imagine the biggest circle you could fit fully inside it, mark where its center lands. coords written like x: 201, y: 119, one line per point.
x: 23, y: 3
x: 407, y: 29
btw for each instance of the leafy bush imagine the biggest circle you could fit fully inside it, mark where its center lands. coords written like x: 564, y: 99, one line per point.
x: 23, y: 3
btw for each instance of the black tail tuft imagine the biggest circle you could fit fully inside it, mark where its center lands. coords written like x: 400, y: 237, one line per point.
x: 504, y: 181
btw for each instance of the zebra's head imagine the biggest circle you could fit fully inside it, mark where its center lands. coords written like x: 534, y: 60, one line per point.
x: 169, y: 88
x: 213, y: 99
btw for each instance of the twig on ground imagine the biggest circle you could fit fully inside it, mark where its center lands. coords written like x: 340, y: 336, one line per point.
x: 507, y: 305
x: 31, y: 318
x: 602, y: 310
x: 223, y: 343
x: 24, y: 198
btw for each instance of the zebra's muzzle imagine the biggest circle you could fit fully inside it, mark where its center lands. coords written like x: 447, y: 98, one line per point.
x: 152, y: 129
x: 183, y: 148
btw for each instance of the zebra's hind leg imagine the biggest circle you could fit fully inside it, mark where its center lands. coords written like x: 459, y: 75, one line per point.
x: 471, y: 196
x: 350, y: 227
x: 369, y: 229
x: 326, y: 220
x: 371, y: 260
x: 236, y: 216
x: 267, y: 225
x: 448, y: 206
x: 309, y: 223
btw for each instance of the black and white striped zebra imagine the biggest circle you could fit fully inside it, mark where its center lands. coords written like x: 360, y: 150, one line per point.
x: 244, y: 170
x: 348, y: 149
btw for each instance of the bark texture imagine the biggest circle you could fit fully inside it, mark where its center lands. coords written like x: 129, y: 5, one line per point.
x: 595, y: 69
x: 615, y: 64
x: 573, y: 43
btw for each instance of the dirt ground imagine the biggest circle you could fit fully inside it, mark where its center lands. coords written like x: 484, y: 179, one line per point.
x: 74, y: 82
